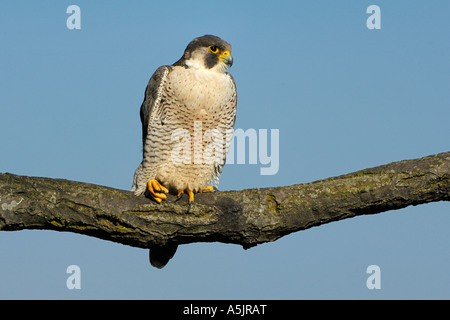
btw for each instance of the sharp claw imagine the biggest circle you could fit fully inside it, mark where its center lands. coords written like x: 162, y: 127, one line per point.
x: 179, y: 195
x: 189, y: 207
x: 191, y: 197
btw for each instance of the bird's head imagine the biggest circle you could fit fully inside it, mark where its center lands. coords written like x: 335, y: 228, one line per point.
x: 208, y: 52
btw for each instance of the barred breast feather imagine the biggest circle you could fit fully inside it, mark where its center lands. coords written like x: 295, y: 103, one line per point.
x: 185, y: 106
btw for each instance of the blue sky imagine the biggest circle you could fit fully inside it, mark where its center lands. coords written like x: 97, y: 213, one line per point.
x: 343, y: 98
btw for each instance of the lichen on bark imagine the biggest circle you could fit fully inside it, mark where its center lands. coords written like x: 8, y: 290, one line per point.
x: 246, y: 217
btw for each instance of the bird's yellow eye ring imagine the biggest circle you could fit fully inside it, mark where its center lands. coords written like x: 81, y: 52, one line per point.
x: 213, y: 49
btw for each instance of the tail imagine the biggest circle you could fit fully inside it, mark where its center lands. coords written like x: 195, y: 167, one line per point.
x: 160, y: 255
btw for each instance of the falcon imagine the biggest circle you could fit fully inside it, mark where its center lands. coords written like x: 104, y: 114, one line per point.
x: 187, y: 106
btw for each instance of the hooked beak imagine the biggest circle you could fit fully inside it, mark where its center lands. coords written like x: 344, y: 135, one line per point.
x: 226, y: 58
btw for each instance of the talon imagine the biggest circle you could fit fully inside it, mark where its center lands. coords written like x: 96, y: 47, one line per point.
x: 179, y: 195
x: 153, y: 187
x: 191, y: 197
x: 189, y: 207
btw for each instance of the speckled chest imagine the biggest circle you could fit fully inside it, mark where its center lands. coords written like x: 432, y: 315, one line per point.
x: 201, y: 93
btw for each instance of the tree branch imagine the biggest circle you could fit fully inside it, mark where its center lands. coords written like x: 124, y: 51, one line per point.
x: 247, y: 217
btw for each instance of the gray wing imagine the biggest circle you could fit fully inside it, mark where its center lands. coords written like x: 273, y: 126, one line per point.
x: 151, y: 106
x: 151, y: 110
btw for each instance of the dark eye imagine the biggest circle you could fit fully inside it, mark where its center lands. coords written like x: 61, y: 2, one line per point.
x: 213, y: 49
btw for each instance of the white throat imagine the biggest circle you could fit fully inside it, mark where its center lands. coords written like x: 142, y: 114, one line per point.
x: 195, y: 64
x: 200, y: 65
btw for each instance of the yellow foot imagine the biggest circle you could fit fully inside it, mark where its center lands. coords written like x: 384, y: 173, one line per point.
x: 155, y: 189
x: 207, y: 188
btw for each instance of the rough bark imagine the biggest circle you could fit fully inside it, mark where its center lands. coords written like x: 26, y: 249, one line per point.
x: 247, y: 217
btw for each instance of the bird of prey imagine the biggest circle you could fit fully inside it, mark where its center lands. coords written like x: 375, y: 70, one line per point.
x: 188, y: 111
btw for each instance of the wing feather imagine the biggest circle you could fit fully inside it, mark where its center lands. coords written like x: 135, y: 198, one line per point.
x: 151, y: 106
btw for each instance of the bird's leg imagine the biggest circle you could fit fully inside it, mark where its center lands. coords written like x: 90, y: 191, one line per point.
x: 191, y: 195
x: 155, y: 187
x: 191, y: 200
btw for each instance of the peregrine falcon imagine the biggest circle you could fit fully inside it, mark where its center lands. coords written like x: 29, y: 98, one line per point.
x: 187, y: 106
